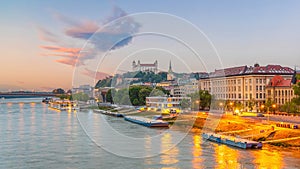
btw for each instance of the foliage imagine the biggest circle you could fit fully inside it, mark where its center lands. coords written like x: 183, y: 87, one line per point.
x: 58, y: 91
x: 109, y: 97
x: 146, y: 77
x: 104, y: 83
x: 80, y: 96
x: 185, y: 103
x: 135, y: 95
x: 201, y: 98
x: 289, y: 107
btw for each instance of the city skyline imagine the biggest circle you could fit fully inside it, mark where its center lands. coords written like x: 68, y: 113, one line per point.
x: 41, y: 41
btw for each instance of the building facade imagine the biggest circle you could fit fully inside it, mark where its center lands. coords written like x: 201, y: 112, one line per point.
x: 243, y: 84
x: 165, y: 102
x: 145, y: 67
x: 280, y: 90
x: 184, y: 90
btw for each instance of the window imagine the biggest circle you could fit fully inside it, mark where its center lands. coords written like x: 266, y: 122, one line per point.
x: 239, y: 88
x: 246, y: 96
x: 246, y: 88
x: 240, y: 95
x: 260, y: 88
x: 260, y: 95
x: 250, y: 96
x: 257, y: 95
x: 250, y: 81
x: 257, y: 81
x: 246, y: 81
x: 256, y: 88
x: 260, y: 81
x: 250, y: 88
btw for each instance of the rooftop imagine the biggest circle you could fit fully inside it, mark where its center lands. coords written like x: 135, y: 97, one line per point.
x: 248, y: 70
x: 279, y: 81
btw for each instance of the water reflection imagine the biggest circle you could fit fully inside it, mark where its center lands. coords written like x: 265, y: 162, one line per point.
x: 268, y: 159
x: 226, y: 157
x: 170, y: 154
x: 197, y: 152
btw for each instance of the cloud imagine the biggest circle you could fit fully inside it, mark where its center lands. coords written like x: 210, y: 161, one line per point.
x: 83, y: 30
x: 71, y: 51
x: 70, y: 56
x: 110, y: 35
x: 96, y: 75
x: 46, y: 35
x: 113, y: 34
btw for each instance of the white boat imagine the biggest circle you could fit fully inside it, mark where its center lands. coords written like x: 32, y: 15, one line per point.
x: 64, y: 105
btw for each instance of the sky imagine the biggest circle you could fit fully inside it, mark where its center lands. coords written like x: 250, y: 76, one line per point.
x: 64, y: 43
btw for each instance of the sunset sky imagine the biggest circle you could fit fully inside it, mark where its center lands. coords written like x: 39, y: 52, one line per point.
x: 41, y: 40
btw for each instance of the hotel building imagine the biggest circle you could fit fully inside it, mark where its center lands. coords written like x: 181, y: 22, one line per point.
x: 243, y: 84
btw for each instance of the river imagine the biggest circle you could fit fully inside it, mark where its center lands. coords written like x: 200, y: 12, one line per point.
x: 34, y: 136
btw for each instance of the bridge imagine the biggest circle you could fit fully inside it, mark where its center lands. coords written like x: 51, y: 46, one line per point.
x: 7, y: 95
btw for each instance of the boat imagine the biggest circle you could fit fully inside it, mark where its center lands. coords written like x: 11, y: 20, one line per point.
x: 146, y: 121
x: 116, y: 114
x: 232, y: 141
x: 47, y: 100
x: 63, y: 105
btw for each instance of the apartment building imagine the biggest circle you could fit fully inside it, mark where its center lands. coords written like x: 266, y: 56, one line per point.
x: 243, y: 83
x: 280, y: 90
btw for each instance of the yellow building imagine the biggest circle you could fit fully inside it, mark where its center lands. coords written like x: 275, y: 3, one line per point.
x: 244, y: 83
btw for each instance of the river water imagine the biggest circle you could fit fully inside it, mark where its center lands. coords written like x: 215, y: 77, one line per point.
x: 34, y: 136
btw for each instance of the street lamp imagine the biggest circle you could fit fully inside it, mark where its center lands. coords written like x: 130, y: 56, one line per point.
x: 198, y: 103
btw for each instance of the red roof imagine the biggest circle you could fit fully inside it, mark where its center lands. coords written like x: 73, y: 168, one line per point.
x: 278, y: 81
x: 245, y: 70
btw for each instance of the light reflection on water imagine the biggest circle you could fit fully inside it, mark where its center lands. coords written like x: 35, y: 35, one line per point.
x: 33, y: 136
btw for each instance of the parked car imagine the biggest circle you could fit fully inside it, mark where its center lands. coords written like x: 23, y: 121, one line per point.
x: 260, y: 115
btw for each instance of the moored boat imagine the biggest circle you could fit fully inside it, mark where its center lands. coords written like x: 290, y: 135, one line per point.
x: 64, y: 105
x: 232, y: 141
x: 146, y: 121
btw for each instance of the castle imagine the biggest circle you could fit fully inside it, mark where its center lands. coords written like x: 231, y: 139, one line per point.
x: 145, y: 67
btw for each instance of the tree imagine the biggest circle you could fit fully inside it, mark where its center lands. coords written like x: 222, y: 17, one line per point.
x: 185, y: 103
x: 201, y: 99
x: 58, y: 91
x: 109, y: 96
x: 80, y: 96
x: 143, y: 93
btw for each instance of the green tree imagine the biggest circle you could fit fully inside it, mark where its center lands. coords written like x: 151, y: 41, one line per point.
x: 185, y: 103
x: 80, y: 96
x: 109, y: 96
x: 143, y: 93
x: 201, y: 99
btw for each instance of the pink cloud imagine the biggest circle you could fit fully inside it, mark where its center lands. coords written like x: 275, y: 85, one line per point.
x: 96, y: 75
x: 46, y: 35
x: 82, y: 30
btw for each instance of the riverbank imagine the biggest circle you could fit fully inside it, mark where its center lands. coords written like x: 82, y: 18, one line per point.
x: 248, y: 128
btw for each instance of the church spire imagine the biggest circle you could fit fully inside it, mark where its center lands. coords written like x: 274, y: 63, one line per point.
x: 170, y: 67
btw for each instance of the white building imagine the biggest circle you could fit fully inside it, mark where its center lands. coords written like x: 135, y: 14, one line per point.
x: 145, y: 67
x: 243, y: 84
x: 183, y: 90
x: 165, y: 102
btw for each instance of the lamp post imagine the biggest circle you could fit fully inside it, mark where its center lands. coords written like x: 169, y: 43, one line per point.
x: 198, y: 103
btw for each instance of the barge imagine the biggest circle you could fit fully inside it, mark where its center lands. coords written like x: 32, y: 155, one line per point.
x: 146, y: 121
x: 63, y: 105
x: 116, y: 114
x: 232, y: 141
